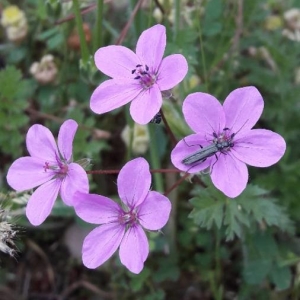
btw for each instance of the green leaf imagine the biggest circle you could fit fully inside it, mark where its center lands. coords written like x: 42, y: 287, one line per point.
x: 256, y: 202
x: 281, y: 277
x: 207, y: 212
x: 253, y: 206
x: 62, y: 210
x: 233, y: 219
x: 256, y: 271
x: 137, y: 282
x: 213, y: 10
x: 9, y: 82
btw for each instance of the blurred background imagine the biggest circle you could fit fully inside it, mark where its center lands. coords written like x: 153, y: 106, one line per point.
x: 213, y: 247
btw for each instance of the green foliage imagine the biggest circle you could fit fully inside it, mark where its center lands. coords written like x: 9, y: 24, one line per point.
x: 253, y: 208
x: 14, y: 93
x: 243, y: 248
x: 212, y: 24
x: 262, y: 256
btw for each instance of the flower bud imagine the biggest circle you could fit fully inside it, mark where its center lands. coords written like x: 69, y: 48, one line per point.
x: 140, y: 138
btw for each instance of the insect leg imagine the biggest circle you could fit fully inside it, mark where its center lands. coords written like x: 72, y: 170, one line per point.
x: 192, y: 145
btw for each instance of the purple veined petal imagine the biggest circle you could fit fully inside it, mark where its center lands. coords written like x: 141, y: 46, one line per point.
x: 146, y: 105
x: 134, y: 182
x: 204, y: 114
x: 41, y: 143
x: 28, y: 172
x: 154, y: 212
x: 187, y: 146
x: 116, y: 61
x: 172, y: 70
x: 101, y: 243
x: 75, y: 180
x: 229, y: 175
x: 65, y: 138
x: 134, y: 249
x: 40, y: 204
x: 259, y: 147
x: 242, y: 108
x: 151, y: 46
x: 95, y: 209
x: 110, y: 95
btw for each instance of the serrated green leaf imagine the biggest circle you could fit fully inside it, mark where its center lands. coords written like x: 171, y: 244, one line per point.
x: 233, y: 219
x: 261, y: 207
x: 253, y: 206
x: 207, y: 212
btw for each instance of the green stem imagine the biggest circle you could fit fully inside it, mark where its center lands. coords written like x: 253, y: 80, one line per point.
x: 202, y: 52
x: 217, y: 273
x: 83, y: 45
x: 155, y: 162
x: 177, y: 20
x: 98, y: 30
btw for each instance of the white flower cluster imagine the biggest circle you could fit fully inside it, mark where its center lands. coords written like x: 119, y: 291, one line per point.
x: 15, y: 23
x: 44, y: 71
x: 292, y: 19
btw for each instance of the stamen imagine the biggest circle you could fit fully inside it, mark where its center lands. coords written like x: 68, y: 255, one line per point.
x: 46, y: 166
x: 146, y: 77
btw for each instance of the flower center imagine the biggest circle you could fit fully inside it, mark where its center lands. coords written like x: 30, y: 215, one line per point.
x: 145, y: 77
x: 60, y: 169
x: 128, y: 218
x: 224, y: 140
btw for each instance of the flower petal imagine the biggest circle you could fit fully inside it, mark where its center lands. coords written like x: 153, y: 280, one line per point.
x: 259, y: 147
x: 229, y: 175
x: 65, y: 138
x: 116, y: 61
x: 41, y: 143
x: 172, y: 71
x: 204, y: 114
x: 154, y: 212
x: 134, y: 249
x: 186, y: 147
x: 101, y: 243
x: 134, y: 182
x: 242, y: 108
x: 76, y: 180
x: 41, y: 202
x: 151, y: 46
x: 146, y: 105
x: 28, y: 172
x: 95, y: 209
x: 110, y: 95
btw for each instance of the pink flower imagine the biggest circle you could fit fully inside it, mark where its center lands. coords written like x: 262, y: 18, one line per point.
x: 123, y: 225
x: 49, y: 167
x: 228, y: 127
x: 138, y: 77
